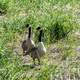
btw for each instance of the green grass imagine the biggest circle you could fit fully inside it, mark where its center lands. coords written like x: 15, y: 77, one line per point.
x: 44, y: 13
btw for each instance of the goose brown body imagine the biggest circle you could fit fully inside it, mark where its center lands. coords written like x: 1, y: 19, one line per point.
x: 28, y: 44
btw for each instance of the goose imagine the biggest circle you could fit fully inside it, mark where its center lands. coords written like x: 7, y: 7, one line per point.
x: 28, y: 43
x: 39, y: 50
x: 40, y: 45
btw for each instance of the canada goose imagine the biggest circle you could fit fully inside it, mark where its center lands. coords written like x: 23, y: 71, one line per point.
x: 40, y: 45
x: 38, y: 51
x: 41, y: 50
x: 29, y: 43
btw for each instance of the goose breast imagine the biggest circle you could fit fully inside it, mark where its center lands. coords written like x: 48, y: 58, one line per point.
x: 41, y: 48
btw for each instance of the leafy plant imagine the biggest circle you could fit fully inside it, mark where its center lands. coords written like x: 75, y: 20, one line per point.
x: 59, y: 31
x: 3, y: 7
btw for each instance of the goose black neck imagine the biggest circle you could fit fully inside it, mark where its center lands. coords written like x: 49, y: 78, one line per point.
x: 40, y: 35
x: 29, y: 36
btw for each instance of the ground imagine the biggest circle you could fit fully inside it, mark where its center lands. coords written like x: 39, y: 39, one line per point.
x: 62, y: 60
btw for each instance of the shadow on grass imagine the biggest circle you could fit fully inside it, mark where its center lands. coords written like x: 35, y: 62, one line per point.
x: 29, y: 66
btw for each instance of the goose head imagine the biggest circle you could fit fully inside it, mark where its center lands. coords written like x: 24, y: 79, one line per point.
x: 40, y: 33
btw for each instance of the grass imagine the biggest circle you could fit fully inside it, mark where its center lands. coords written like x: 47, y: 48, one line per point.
x: 44, y: 13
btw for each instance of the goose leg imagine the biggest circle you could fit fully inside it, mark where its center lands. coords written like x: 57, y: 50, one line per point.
x: 34, y: 61
x: 39, y: 61
x: 38, y: 57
